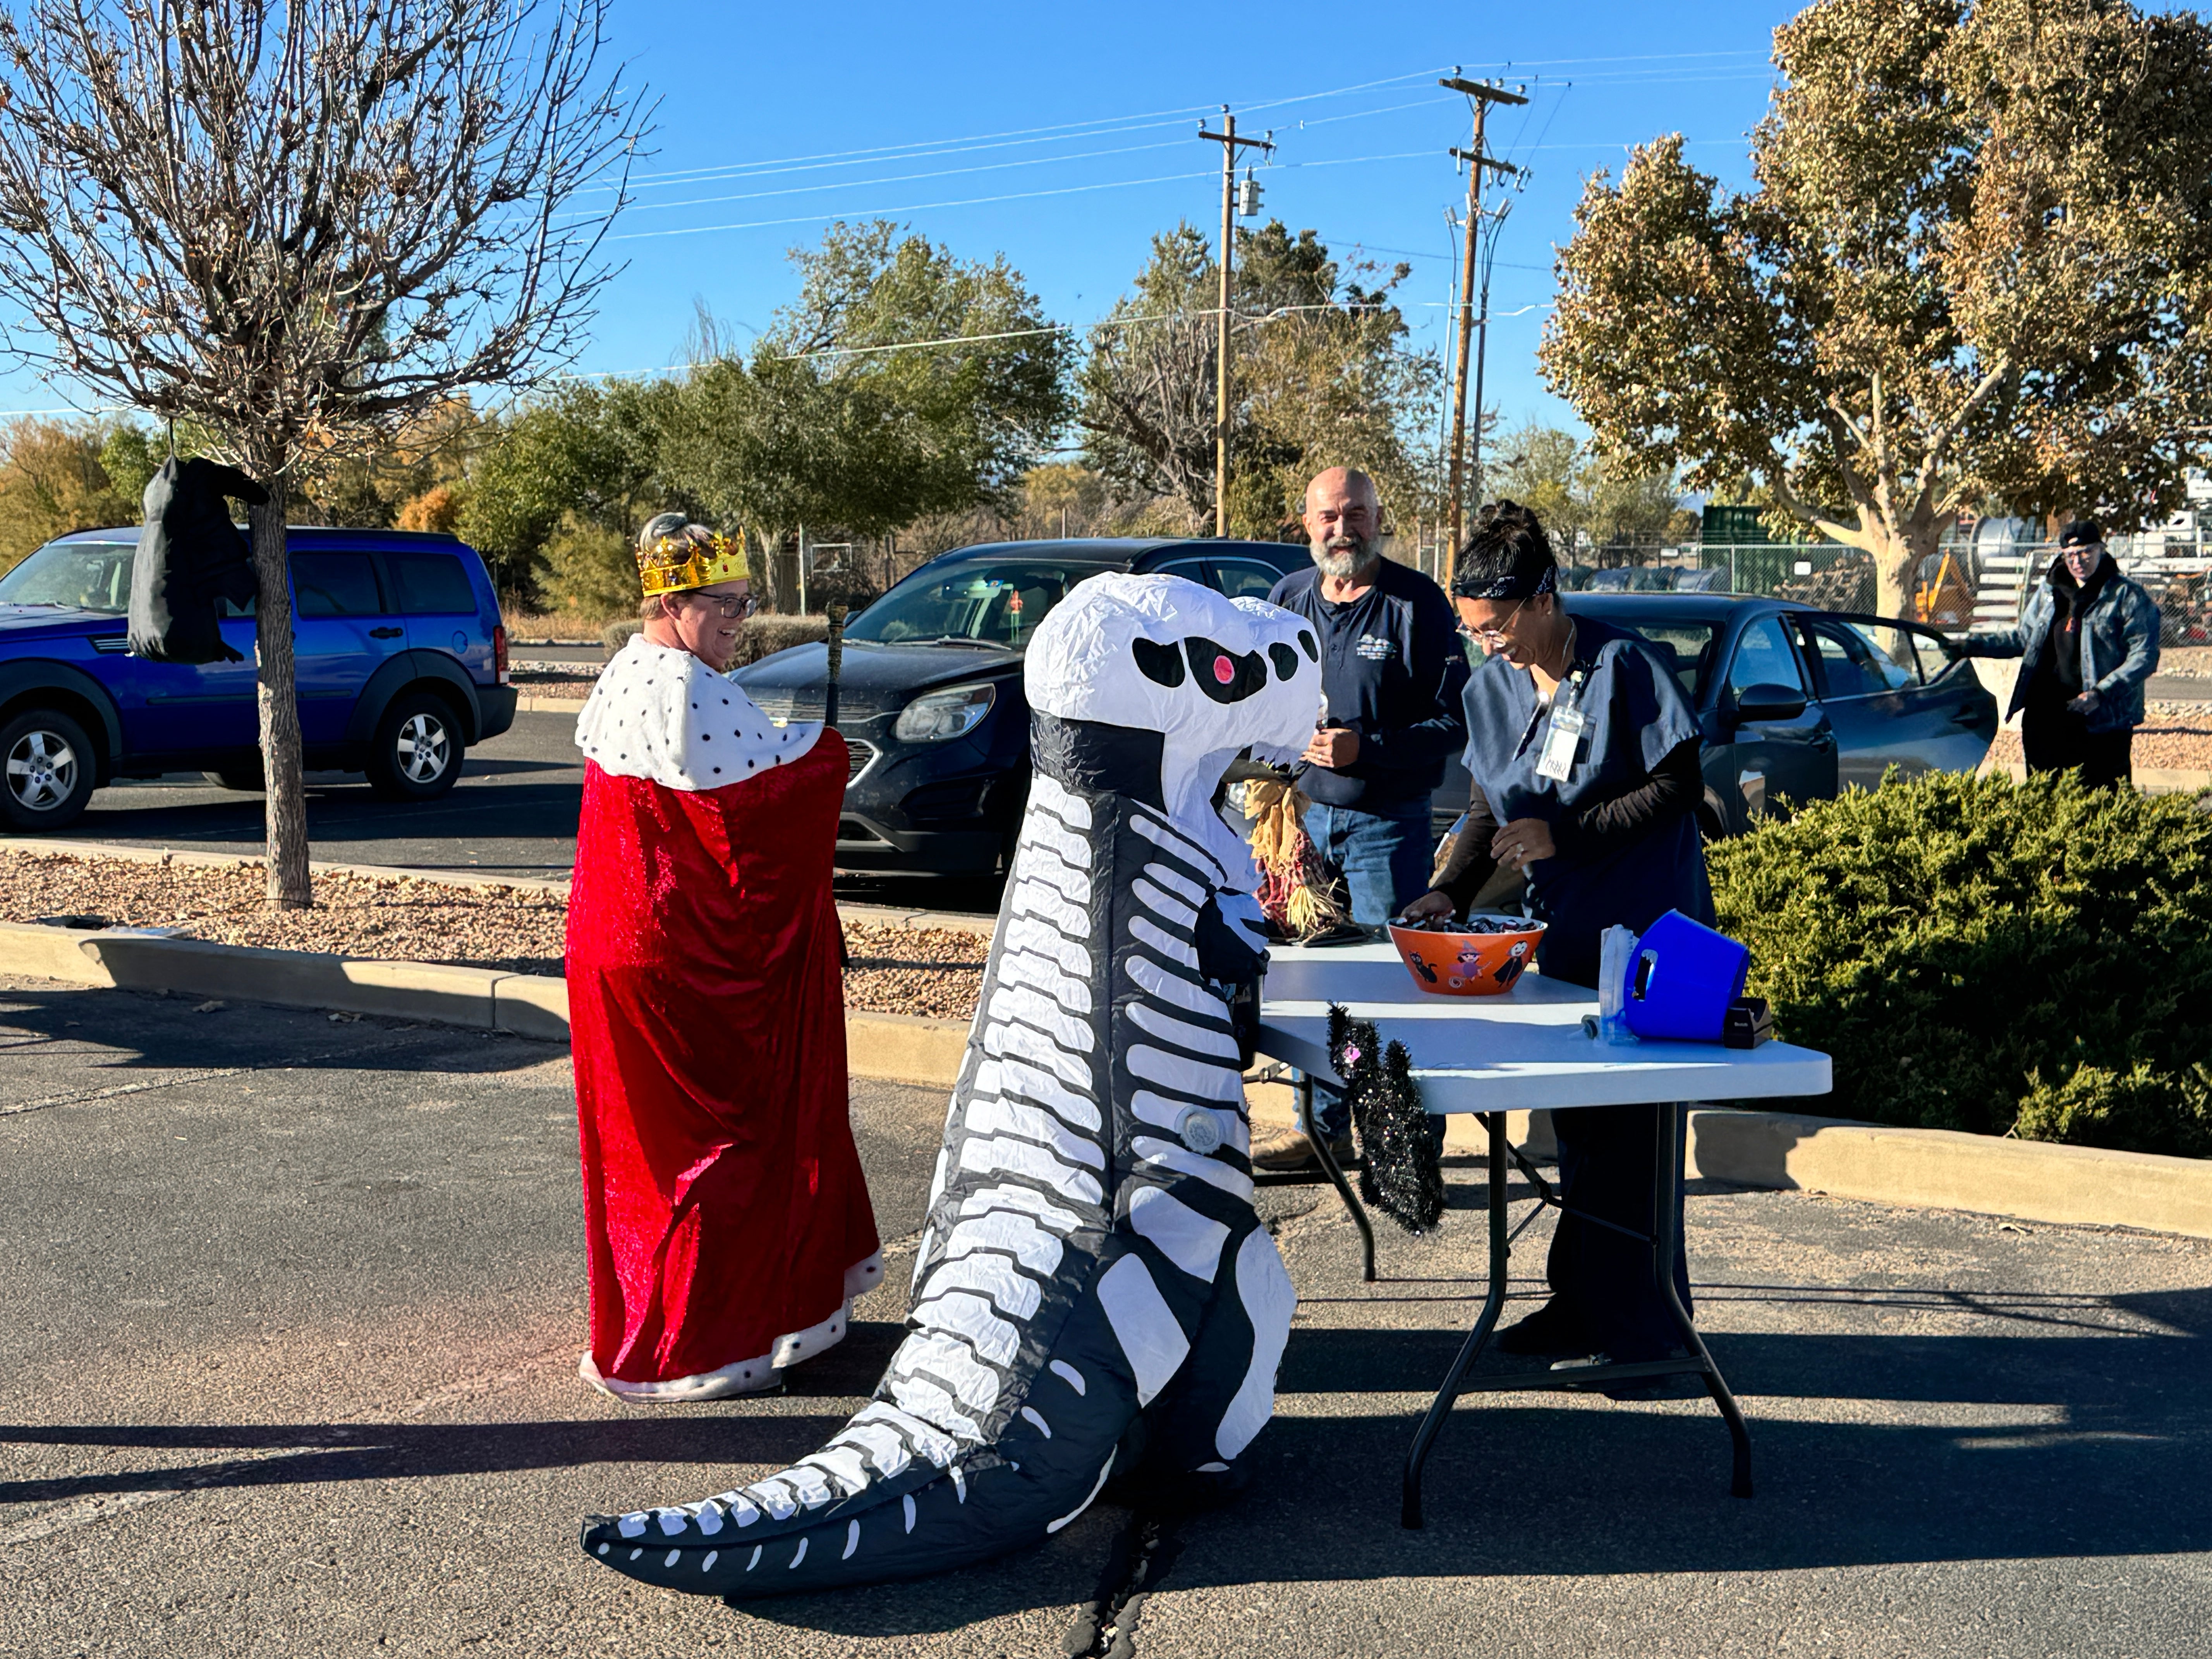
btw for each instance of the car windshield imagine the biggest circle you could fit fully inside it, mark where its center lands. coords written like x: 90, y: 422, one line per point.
x: 998, y: 604
x: 83, y: 575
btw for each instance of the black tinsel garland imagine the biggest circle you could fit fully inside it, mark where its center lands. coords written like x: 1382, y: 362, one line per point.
x: 1404, y: 1176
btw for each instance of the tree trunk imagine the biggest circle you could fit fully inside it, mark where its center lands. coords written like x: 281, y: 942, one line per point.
x: 1897, y: 556
x: 278, y: 693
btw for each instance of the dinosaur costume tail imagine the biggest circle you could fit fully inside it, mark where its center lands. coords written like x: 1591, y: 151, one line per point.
x: 908, y: 1515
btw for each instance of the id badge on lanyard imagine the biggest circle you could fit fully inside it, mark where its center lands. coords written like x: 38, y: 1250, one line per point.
x: 1556, y: 761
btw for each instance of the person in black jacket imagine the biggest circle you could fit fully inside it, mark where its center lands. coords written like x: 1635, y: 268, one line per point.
x: 1392, y: 670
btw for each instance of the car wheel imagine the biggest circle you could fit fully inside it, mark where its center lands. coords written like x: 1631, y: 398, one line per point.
x: 416, y: 753
x: 245, y: 776
x: 49, y: 769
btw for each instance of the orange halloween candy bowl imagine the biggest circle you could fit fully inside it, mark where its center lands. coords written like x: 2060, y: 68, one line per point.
x: 1458, y: 964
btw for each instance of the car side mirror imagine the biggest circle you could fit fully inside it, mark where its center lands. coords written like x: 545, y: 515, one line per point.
x: 1768, y: 702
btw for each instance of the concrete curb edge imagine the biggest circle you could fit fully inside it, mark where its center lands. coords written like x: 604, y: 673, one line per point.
x: 1930, y: 1169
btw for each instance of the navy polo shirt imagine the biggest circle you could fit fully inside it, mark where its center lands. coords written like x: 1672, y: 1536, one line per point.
x: 1391, y: 669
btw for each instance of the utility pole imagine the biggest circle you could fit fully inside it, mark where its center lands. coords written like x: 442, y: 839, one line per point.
x: 1230, y: 143
x: 1481, y: 351
x: 1483, y: 95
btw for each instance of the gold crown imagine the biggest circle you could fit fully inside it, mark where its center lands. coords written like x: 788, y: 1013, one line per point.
x: 675, y: 563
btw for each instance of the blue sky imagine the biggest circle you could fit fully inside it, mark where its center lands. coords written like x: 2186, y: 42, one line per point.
x: 1082, y: 122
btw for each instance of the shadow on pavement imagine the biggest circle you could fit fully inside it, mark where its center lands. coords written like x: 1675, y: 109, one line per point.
x: 2117, y: 1464
x: 138, y: 1031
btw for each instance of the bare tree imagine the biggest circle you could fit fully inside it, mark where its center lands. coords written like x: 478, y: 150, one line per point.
x: 296, y: 225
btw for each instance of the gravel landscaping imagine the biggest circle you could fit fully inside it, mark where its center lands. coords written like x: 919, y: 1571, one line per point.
x: 554, y: 679
x: 2168, y: 738
x: 936, y: 973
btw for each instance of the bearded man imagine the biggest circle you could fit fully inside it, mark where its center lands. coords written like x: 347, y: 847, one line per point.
x: 1392, y: 672
x: 727, y: 1225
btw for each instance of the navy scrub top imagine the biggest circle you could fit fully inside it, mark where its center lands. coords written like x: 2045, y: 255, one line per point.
x: 1636, y: 714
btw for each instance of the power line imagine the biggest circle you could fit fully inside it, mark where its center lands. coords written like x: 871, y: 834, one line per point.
x: 912, y: 207
x: 920, y: 148
x: 1034, y: 135
x: 900, y: 179
x: 1105, y: 125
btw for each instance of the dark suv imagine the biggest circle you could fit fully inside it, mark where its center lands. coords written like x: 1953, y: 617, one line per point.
x: 400, y: 656
x: 930, y: 698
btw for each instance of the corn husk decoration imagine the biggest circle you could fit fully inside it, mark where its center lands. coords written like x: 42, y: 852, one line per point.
x: 1295, y: 890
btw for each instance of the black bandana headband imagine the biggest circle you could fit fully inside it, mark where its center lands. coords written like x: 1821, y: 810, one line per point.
x: 1512, y: 586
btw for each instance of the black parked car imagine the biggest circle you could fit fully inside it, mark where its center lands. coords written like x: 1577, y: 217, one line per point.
x: 930, y: 695
x: 1797, y: 701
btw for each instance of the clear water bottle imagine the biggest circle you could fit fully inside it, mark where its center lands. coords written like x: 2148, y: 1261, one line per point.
x: 1616, y: 957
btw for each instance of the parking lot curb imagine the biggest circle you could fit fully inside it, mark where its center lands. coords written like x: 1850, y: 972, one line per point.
x: 890, y: 1048
x: 1944, y: 1170
x: 49, y: 953
x: 903, y: 1048
x: 889, y: 915
x: 1926, y: 1169
x: 434, y: 991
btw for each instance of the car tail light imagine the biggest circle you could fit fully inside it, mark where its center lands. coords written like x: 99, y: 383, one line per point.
x: 499, y: 651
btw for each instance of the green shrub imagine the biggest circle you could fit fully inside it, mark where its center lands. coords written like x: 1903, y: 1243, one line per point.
x: 1977, y: 955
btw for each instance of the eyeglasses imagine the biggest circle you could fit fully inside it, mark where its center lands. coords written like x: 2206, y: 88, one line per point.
x: 729, y: 608
x: 1492, y: 635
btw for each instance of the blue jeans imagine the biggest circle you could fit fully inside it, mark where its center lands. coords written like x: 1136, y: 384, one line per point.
x: 1384, y: 858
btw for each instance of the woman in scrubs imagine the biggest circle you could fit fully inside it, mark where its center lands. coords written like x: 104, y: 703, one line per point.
x: 1584, y: 754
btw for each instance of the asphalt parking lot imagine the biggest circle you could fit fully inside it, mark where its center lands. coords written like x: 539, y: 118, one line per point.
x: 287, y: 1363
x: 513, y: 813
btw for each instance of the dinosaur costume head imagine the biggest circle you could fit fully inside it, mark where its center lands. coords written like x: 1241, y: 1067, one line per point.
x: 1213, y: 676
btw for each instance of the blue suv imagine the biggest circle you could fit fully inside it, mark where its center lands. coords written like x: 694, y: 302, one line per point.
x: 401, y: 661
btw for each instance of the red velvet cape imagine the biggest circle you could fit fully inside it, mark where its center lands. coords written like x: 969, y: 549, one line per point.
x: 723, y: 1198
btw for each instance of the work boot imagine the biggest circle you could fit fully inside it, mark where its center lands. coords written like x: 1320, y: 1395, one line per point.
x: 1285, y: 1150
x: 1553, y: 1330
x: 1682, y: 1385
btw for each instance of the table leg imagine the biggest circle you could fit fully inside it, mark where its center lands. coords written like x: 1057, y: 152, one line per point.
x: 1319, y: 1142
x: 1666, y: 1199
x: 1409, y: 1513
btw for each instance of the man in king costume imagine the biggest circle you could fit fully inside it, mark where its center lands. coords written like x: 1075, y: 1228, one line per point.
x: 727, y: 1220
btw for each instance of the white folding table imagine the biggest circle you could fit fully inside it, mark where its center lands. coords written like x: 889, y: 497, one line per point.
x: 1522, y: 1050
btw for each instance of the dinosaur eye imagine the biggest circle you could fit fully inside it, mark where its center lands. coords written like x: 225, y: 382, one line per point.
x: 1285, y: 661
x: 1306, y: 644
x: 1159, y: 663
x: 1224, y: 669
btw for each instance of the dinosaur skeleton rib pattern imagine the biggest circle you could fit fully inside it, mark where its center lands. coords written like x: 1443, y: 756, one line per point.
x: 1091, y: 1284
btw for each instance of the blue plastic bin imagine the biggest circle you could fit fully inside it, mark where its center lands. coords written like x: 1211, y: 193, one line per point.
x: 1681, y: 979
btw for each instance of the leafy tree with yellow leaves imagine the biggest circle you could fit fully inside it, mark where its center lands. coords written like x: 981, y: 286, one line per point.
x: 1976, y: 263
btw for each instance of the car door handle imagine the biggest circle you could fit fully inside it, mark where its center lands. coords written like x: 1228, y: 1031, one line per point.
x: 1824, y: 740
x: 386, y: 633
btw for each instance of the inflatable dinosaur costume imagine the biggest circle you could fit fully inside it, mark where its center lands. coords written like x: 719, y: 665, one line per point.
x: 1093, y: 1290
